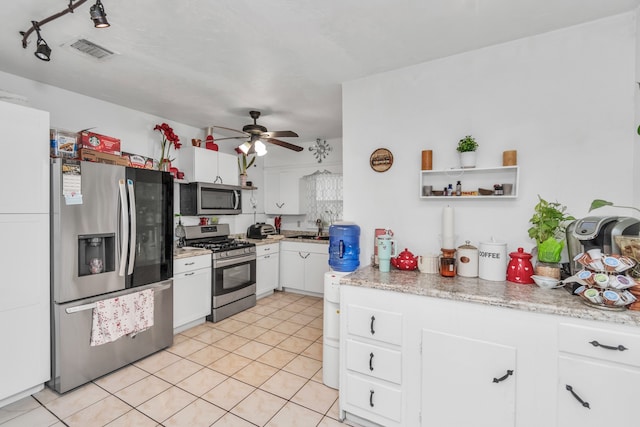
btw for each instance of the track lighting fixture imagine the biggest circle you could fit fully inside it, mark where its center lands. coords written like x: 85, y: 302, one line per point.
x: 98, y: 15
x: 43, y: 51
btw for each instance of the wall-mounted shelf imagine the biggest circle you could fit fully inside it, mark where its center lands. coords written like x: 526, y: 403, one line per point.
x: 471, y: 179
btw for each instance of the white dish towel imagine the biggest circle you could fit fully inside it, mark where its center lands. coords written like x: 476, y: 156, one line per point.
x: 123, y: 315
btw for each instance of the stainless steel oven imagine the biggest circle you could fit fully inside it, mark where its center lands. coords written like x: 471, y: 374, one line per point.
x: 233, y: 278
x: 233, y: 284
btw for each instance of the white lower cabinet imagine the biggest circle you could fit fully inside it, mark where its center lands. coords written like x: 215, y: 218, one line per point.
x: 443, y: 363
x: 598, y: 375
x: 191, y: 291
x: 467, y: 382
x: 302, y: 266
x: 267, y: 269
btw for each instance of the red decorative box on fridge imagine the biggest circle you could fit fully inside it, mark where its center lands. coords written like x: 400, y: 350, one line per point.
x: 103, y: 143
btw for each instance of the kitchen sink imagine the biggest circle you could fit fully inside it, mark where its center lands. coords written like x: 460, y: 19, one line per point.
x: 308, y: 237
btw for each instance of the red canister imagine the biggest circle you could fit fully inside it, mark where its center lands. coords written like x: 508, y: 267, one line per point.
x: 520, y: 268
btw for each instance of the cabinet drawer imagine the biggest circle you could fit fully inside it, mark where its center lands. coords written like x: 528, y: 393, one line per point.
x: 267, y: 249
x: 374, y: 398
x: 605, y: 344
x: 384, y: 326
x: 192, y: 263
x: 375, y: 361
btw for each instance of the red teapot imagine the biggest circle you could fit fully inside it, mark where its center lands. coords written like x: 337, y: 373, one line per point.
x: 405, y: 261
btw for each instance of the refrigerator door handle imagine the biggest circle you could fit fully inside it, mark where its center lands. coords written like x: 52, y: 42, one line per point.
x: 93, y: 305
x: 124, y: 234
x: 132, y: 215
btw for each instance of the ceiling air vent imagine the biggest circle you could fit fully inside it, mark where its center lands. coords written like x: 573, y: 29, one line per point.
x: 91, y: 49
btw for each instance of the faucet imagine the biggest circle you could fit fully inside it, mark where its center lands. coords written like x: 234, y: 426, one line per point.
x: 319, y: 224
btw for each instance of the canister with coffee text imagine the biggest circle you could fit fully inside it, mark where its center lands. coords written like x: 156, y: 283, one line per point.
x: 492, y: 260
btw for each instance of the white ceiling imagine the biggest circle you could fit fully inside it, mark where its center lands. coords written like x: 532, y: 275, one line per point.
x: 209, y: 62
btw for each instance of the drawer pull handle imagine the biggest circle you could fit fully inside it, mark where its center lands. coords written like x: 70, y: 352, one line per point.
x: 189, y: 263
x: 498, y: 380
x: 371, y: 361
x: 608, y: 347
x: 371, y: 398
x: 373, y: 318
x: 582, y: 402
x: 190, y: 273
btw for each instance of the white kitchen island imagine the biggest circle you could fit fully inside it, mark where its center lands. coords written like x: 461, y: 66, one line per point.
x: 424, y: 350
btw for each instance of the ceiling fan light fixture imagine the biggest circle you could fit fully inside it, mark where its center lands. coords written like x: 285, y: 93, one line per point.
x: 245, y: 147
x: 261, y: 148
x: 98, y: 15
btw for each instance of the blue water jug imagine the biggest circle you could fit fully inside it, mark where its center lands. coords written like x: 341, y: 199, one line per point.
x: 344, y: 246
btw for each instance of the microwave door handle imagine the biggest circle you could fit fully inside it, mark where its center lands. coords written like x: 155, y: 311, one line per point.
x: 124, y: 229
x: 132, y: 215
x: 236, y: 195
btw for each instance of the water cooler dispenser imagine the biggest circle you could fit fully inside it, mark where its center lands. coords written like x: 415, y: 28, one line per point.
x: 344, y: 258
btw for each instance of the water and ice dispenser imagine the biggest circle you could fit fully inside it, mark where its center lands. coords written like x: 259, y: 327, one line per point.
x: 96, y: 254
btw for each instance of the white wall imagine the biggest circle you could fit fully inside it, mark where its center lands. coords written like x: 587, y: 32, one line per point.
x: 72, y: 111
x: 564, y: 100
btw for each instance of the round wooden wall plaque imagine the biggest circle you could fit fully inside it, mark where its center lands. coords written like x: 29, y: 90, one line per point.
x: 381, y: 160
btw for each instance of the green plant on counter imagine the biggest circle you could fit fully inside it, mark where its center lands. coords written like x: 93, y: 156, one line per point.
x: 244, y: 162
x: 598, y: 203
x: 548, y: 226
x: 468, y: 143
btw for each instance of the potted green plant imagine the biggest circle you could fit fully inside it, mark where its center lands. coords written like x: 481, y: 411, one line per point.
x: 467, y: 147
x: 245, y: 162
x: 549, y: 223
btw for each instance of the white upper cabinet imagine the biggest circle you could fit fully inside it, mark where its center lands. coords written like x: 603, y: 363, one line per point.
x: 25, y: 148
x: 200, y: 164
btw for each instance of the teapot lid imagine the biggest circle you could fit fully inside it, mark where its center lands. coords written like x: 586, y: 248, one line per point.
x: 405, y: 254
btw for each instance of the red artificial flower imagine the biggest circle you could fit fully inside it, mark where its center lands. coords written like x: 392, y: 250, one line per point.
x: 169, y: 138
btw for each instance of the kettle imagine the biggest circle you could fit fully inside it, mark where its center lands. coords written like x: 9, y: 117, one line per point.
x: 520, y: 268
x: 405, y: 261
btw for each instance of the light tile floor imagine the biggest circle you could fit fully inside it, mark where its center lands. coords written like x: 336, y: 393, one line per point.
x: 260, y: 367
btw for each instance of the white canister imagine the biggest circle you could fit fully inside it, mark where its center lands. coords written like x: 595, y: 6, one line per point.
x: 467, y: 257
x: 492, y: 261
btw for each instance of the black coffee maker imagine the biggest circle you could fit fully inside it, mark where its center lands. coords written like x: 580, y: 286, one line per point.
x: 597, y: 232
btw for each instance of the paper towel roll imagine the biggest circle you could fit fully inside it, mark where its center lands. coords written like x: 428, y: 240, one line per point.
x: 448, y: 234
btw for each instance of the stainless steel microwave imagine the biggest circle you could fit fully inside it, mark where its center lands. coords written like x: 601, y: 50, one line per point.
x: 201, y: 198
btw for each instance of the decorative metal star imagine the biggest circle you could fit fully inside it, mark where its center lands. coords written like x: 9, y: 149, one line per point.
x: 320, y: 149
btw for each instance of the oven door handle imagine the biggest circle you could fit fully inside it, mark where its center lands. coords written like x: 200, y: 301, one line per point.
x: 226, y: 262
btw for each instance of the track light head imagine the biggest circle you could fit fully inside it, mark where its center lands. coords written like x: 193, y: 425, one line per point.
x: 43, y: 51
x: 98, y: 15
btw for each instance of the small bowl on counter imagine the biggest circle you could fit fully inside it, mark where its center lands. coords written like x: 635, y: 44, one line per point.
x: 547, y: 282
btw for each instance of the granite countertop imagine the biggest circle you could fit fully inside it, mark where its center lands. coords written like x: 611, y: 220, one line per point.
x: 283, y: 237
x: 501, y: 294
x: 187, y: 251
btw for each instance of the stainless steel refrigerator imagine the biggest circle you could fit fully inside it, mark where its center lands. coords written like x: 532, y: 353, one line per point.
x: 111, y: 235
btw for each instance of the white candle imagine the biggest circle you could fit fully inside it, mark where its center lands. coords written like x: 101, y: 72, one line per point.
x: 448, y: 235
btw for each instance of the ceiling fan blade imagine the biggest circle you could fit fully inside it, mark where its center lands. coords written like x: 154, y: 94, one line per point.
x: 233, y: 130
x: 283, y: 144
x: 279, y: 134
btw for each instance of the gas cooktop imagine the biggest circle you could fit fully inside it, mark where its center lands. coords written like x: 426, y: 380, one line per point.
x: 216, y: 239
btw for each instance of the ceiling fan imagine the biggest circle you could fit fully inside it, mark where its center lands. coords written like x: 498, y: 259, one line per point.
x: 256, y: 132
